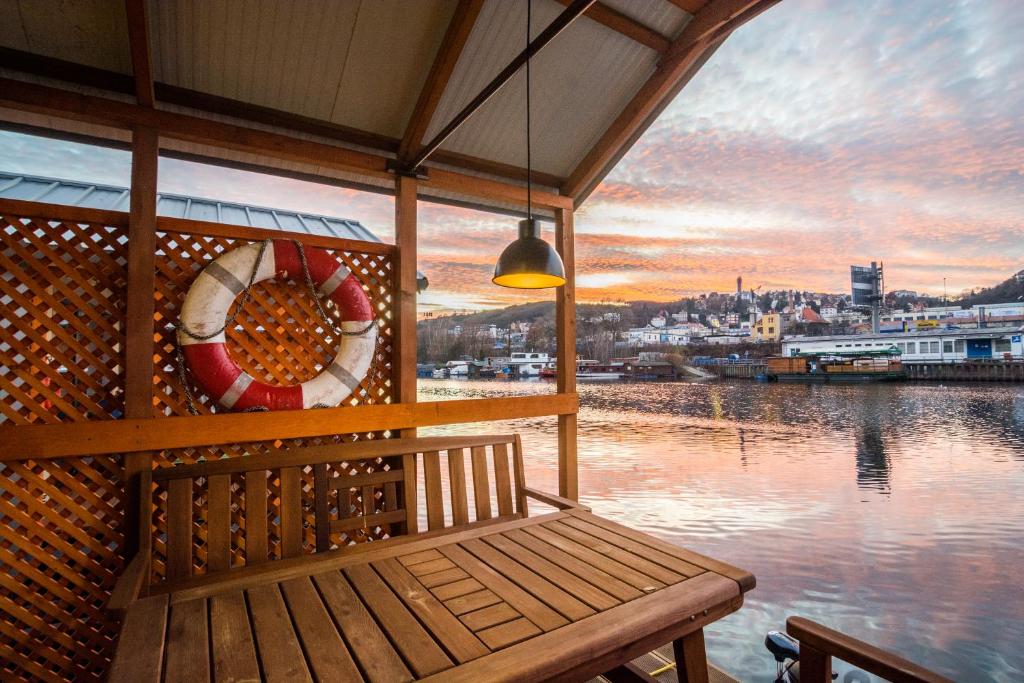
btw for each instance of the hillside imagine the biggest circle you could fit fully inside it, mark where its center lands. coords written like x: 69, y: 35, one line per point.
x: 1011, y: 289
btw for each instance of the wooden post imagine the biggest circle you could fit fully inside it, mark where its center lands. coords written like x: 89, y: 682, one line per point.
x: 138, y: 348
x: 404, y: 371
x: 565, y: 324
x: 691, y: 658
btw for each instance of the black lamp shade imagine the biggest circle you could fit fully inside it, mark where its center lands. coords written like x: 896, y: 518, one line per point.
x: 529, y: 262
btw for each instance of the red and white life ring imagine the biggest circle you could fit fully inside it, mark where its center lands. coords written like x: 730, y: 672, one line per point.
x: 205, y: 311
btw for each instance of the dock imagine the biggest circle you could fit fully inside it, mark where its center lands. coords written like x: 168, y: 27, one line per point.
x: 968, y: 371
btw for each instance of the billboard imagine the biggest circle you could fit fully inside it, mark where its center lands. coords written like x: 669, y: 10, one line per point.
x: 863, y: 284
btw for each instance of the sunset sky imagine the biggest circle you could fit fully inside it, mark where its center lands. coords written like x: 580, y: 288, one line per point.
x: 823, y: 134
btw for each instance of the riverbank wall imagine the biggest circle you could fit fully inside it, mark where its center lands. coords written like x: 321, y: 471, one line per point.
x: 980, y: 371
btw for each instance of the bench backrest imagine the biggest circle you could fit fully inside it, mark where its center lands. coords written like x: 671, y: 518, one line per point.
x: 218, y: 514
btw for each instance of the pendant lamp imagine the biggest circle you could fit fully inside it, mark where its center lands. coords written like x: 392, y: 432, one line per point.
x: 529, y: 262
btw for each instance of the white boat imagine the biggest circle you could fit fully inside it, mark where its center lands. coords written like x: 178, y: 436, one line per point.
x: 457, y: 368
x: 440, y: 373
x: 592, y: 370
x: 528, y: 363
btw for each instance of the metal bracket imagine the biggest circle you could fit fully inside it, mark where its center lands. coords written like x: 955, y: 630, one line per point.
x: 398, y: 168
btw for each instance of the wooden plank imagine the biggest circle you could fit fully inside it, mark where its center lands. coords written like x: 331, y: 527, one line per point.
x: 255, y: 517
x: 565, y: 580
x: 138, y: 44
x: 233, y: 648
x: 692, y: 659
x: 409, y: 493
x: 456, y: 638
x: 367, y: 522
x: 620, y: 571
x: 431, y: 566
x: 456, y: 589
x: 141, y: 645
x: 565, y: 333
x: 625, y: 25
x: 520, y: 600
x: 481, y: 486
x: 459, y: 28
x: 502, y: 482
x: 745, y: 580
x: 355, y: 481
x: 489, y: 616
x: 524, y: 576
x: 600, y: 545
x: 179, y: 529
x: 472, y: 602
x: 602, y: 580
x: 280, y: 570
x: 331, y: 453
x: 325, y: 650
x: 321, y: 508
x: 26, y: 442
x: 218, y: 532
x: 291, y: 512
x: 422, y: 556
x: 457, y: 484
x: 591, y: 646
x: 369, y: 645
x: 63, y: 212
x: 670, y: 562
x: 190, y: 226
x: 509, y: 633
x: 417, y: 647
x: 432, y: 489
x: 441, y: 578
x: 520, y: 477
x: 280, y: 652
x: 188, y: 643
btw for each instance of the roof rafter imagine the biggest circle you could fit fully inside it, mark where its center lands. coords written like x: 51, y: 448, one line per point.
x: 690, y: 6
x: 447, y: 57
x: 709, y: 26
x: 138, y: 43
x: 626, y: 25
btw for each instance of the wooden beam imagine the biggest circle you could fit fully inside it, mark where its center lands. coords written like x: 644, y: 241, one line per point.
x: 445, y: 60
x: 686, y: 51
x: 403, y: 375
x: 690, y: 6
x: 71, y: 439
x: 63, y: 104
x: 138, y: 345
x: 138, y: 44
x: 626, y: 25
x: 565, y: 332
x: 80, y: 74
x: 561, y: 22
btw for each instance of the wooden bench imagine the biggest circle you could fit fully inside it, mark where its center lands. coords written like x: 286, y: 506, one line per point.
x: 219, y: 515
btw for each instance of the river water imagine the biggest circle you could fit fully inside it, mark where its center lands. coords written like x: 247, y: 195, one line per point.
x: 892, y: 512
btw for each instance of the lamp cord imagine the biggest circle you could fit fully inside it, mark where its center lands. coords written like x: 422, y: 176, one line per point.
x: 529, y: 167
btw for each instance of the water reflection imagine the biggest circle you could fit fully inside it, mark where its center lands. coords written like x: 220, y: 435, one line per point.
x: 891, y: 512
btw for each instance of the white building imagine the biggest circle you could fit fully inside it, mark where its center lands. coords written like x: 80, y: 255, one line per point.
x: 939, y: 346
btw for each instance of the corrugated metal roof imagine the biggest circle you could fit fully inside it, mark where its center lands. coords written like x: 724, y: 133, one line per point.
x: 74, y: 193
x: 94, y: 196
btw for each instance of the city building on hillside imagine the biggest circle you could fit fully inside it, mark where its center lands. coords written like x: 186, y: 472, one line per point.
x: 1006, y: 312
x: 904, y: 293
x: 829, y: 313
x: 658, y: 321
x: 768, y: 328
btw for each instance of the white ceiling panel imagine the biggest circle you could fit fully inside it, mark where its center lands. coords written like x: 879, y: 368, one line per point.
x: 91, y: 32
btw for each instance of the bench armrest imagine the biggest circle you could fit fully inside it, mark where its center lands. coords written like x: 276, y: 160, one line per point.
x: 822, y: 643
x: 129, y: 585
x: 553, y: 500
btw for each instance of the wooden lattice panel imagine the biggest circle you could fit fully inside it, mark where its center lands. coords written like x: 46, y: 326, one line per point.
x: 60, y: 545
x: 62, y: 298
x: 62, y: 302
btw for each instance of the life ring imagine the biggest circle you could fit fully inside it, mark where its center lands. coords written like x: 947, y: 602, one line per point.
x: 205, y: 311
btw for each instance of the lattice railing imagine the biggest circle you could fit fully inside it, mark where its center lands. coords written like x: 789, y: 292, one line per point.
x: 61, y: 338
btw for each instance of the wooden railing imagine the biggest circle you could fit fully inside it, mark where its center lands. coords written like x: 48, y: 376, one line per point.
x: 819, y: 644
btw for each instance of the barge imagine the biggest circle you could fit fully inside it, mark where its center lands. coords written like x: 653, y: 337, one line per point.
x: 874, y: 366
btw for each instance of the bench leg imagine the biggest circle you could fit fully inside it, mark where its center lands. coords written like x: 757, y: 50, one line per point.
x: 691, y: 658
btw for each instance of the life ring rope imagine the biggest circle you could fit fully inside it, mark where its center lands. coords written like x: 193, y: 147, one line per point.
x: 326, y: 287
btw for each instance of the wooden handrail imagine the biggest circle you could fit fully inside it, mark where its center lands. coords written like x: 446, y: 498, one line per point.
x: 103, y: 437
x: 818, y: 644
